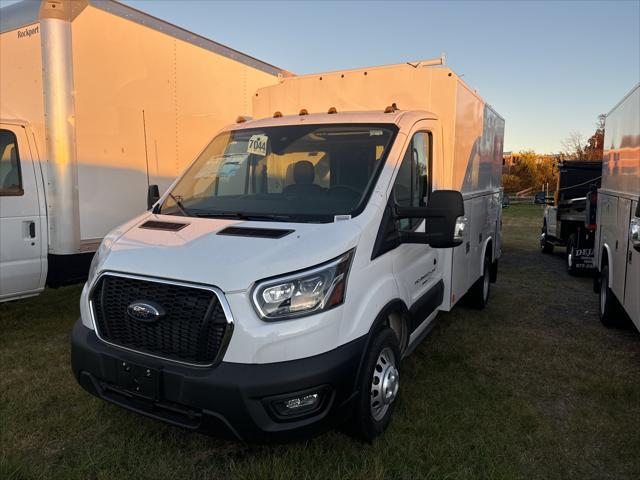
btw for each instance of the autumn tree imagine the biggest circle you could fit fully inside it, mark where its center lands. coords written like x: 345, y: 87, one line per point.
x: 574, y: 147
x: 595, y: 144
x: 532, y: 170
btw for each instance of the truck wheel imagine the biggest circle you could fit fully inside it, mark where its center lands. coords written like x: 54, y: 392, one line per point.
x: 607, y: 308
x: 545, y: 247
x: 378, y: 386
x: 571, y: 254
x: 479, y: 292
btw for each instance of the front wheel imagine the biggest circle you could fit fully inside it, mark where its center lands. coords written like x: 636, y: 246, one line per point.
x: 378, y: 386
x: 545, y: 246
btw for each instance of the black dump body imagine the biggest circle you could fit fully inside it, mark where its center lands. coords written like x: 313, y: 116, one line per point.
x: 578, y: 181
x: 577, y: 177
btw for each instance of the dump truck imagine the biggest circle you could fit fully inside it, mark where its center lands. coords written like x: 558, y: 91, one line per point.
x: 571, y: 221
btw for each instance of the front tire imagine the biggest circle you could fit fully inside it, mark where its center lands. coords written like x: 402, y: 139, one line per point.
x: 378, y: 386
x: 545, y: 247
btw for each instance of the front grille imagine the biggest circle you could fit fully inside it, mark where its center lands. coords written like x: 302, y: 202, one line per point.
x: 191, y: 330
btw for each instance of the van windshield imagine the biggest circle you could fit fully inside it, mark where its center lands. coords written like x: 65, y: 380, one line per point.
x: 301, y: 173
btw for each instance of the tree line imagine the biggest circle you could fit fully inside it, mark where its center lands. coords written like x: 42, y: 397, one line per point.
x: 535, y: 171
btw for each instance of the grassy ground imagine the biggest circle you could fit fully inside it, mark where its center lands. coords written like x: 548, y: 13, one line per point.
x: 533, y: 387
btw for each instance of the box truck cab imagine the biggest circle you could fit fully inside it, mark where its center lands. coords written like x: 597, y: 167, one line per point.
x: 276, y: 286
x: 97, y: 101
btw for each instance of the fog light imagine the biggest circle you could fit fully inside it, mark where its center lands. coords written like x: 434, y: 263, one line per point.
x: 302, y: 402
x: 299, y: 405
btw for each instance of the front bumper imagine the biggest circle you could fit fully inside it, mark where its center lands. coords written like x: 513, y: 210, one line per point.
x: 232, y: 399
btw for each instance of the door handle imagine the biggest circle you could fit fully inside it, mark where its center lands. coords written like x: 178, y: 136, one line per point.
x: 32, y: 229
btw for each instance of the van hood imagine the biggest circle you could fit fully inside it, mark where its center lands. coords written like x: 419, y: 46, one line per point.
x: 200, y: 253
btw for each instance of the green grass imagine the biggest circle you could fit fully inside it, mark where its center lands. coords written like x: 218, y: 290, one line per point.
x: 533, y: 387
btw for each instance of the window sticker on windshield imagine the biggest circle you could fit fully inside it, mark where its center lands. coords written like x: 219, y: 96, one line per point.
x: 375, y: 133
x: 228, y: 169
x: 258, y: 145
x: 209, y: 169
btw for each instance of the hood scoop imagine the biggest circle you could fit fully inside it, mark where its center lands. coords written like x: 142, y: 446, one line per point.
x: 166, y: 226
x: 255, y: 232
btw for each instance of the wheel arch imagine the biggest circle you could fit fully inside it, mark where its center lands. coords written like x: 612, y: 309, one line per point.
x: 394, y: 306
x: 486, y: 247
x: 607, y: 256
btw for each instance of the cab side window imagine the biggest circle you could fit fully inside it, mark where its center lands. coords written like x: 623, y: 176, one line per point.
x: 10, y: 177
x: 412, y: 187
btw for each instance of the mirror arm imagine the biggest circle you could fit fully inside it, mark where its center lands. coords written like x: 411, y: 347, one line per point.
x: 421, y: 237
x: 420, y: 212
x: 407, y: 212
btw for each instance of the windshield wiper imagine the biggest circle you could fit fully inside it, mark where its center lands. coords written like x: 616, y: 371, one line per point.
x: 180, y: 205
x: 246, y: 216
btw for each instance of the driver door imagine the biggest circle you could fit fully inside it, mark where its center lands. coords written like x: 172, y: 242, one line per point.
x: 417, y: 267
x: 22, y: 261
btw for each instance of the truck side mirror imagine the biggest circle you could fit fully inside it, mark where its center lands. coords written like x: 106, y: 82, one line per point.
x: 444, y: 217
x: 153, y: 195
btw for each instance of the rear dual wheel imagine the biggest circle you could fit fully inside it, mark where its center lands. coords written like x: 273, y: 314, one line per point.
x: 571, y: 254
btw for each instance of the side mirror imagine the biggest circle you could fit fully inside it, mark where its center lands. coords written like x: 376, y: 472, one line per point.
x: 153, y: 195
x: 444, y: 217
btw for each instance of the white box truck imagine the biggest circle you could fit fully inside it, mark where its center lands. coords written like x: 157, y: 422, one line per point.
x: 276, y: 286
x: 97, y: 101
x: 617, y: 244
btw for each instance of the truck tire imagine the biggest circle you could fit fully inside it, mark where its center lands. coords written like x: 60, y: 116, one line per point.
x: 377, y: 386
x: 571, y: 255
x: 608, y: 309
x: 479, y: 292
x: 545, y: 247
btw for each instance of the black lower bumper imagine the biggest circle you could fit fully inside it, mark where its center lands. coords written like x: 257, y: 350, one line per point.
x: 231, y: 399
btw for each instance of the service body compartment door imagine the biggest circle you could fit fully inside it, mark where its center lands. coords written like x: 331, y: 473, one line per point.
x: 21, y: 258
x: 462, y: 258
x: 620, y: 247
x: 632, y: 284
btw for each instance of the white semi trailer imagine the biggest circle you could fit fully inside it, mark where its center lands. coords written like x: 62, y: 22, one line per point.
x: 617, y: 244
x: 97, y: 101
x: 276, y: 286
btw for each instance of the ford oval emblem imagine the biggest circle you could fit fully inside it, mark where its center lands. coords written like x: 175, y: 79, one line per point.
x: 145, y: 311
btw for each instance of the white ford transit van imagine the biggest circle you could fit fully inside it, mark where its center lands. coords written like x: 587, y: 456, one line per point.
x: 275, y: 288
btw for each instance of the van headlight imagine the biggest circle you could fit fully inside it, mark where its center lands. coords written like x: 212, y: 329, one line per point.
x: 305, y: 292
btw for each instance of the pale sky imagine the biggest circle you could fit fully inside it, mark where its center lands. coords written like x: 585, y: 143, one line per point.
x: 547, y: 67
